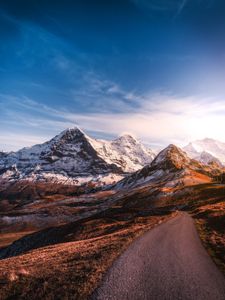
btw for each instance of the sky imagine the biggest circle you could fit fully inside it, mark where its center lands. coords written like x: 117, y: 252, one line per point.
x: 151, y: 68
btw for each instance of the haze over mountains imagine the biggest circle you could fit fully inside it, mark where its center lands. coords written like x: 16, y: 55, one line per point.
x: 206, y: 150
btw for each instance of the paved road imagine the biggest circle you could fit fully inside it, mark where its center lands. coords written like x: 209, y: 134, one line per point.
x: 167, y: 262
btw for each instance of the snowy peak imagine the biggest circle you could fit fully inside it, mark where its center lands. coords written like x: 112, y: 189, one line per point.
x: 126, y: 139
x: 73, y: 131
x: 69, y: 135
x: 125, y: 152
x: 207, y: 158
x: 210, y: 146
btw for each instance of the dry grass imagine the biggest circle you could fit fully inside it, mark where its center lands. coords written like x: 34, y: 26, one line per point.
x: 205, y: 201
x: 207, y: 205
x: 210, y: 222
x: 48, y: 212
x: 72, y: 268
x: 8, y: 238
x: 29, y: 191
x: 68, y: 262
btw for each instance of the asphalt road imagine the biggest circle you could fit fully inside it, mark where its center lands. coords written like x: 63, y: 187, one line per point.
x: 168, y: 262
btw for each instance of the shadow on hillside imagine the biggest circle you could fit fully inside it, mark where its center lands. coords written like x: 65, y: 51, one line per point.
x: 112, y: 220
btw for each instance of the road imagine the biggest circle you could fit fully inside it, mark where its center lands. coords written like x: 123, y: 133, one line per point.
x: 168, y: 262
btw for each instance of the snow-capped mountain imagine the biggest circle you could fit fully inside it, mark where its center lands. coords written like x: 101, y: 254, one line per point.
x: 206, y: 150
x: 207, y: 158
x: 74, y: 155
x: 125, y: 152
x: 171, y: 168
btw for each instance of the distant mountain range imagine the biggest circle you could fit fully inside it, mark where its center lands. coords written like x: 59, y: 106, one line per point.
x: 206, y: 150
x: 74, y: 157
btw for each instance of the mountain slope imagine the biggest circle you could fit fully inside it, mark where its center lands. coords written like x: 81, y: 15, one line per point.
x: 73, y: 154
x: 199, y: 148
x: 125, y: 152
x: 207, y: 158
x: 171, y: 168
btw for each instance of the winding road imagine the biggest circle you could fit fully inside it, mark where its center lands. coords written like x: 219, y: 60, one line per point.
x: 166, y: 263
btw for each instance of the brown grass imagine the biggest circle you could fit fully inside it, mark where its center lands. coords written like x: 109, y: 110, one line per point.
x: 8, y: 238
x: 68, y: 262
x: 74, y: 267
x: 210, y: 222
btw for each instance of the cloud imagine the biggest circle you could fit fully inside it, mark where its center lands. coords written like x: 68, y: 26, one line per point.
x: 180, y: 7
x: 10, y: 141
x: 161, y: 6
x: 159, y: 119
x: 165, y: 121
x: 98, y: 94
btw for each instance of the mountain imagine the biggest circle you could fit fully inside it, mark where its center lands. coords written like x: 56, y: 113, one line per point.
x: 206, y: 150
x: 125, y: 152
x: 207, y: 158
x: 73, y: 156
x: 171, y: 168
x: 2, y: 154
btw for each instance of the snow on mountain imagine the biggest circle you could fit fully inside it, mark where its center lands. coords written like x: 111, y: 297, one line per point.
x: 171, y: 168
x: 125, y: 152
x: 203, y: 149
x: 72, y: 154
x: 2, y: 154
x: 207, y: 158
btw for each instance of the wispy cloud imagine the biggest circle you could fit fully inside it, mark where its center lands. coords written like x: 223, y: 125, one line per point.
x: 180, y: 8
x: 175, y: 6
x: 11, y: 142
x: 158, y: 119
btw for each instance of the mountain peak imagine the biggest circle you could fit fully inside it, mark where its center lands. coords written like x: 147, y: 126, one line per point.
x: 127, y: 138
x: 207, y: 158
x: 172, y: 156
x: 209, y: 145
x: 208, y: 140
x: 69, y: 134
x: 73, y: 130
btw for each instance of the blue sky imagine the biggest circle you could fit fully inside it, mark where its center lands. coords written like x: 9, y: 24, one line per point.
x: 154, y: 68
